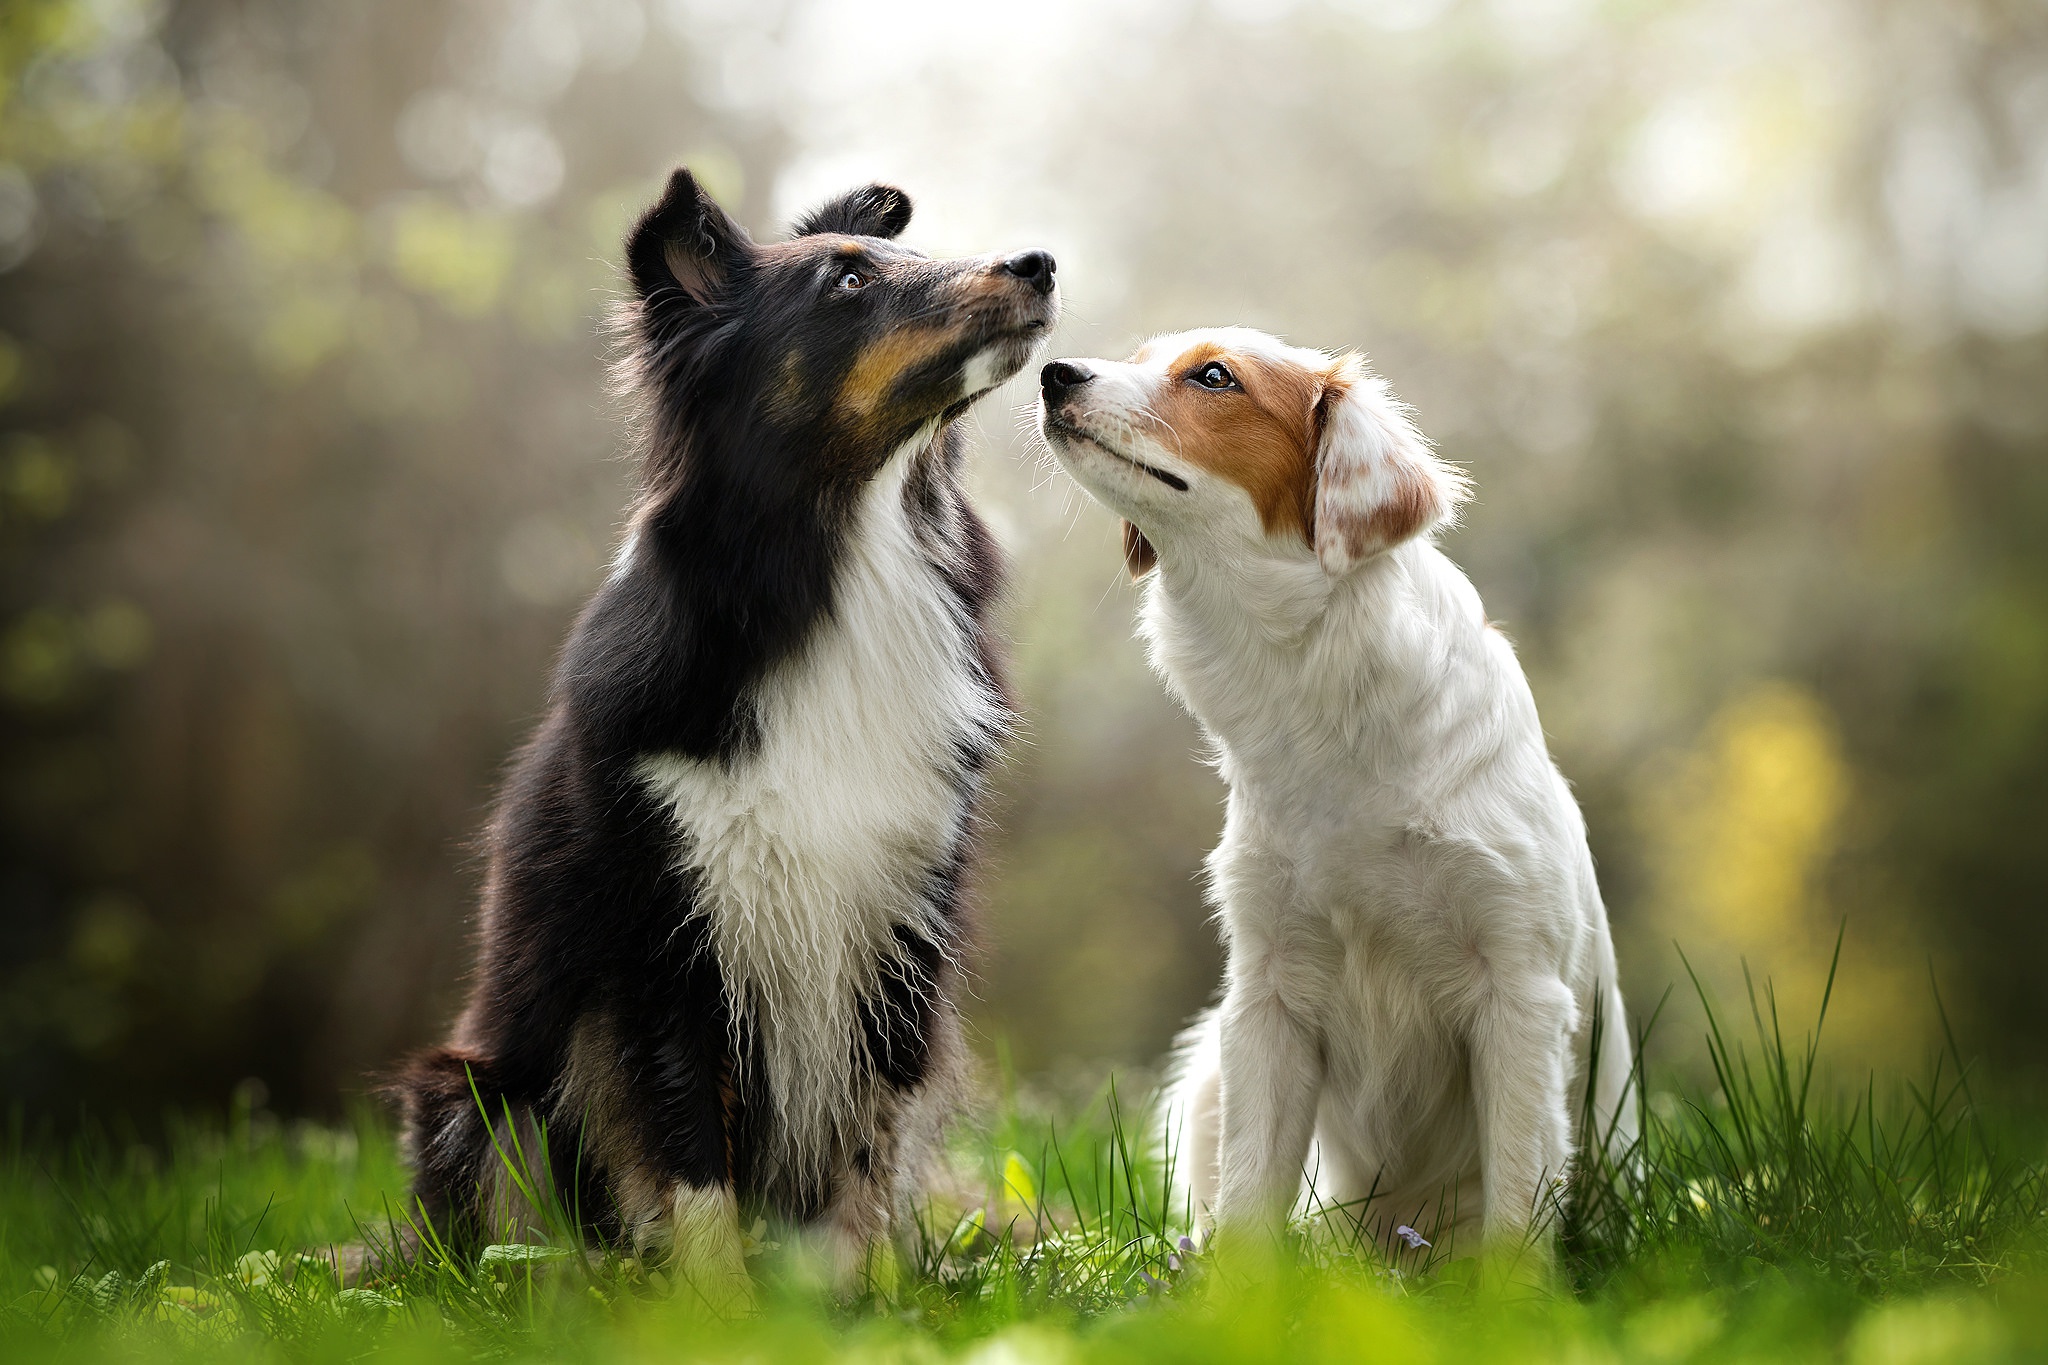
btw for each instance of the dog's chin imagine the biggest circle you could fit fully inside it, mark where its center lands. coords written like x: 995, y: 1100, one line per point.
x: 1101, y: 475
x: 1009, y: 354
x: 999, y: 358
x: 1066, y: 438
x: 1074, y: 448
x: 1019, y: 330
x: 1102, y: 497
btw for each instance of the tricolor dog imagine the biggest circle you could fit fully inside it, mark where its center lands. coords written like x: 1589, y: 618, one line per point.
x: 726, y: 905
x: 1417, y: 948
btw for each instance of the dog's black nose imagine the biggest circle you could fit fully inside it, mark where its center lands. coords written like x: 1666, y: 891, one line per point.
x: 1034, y: 267
x: 1063, y: 376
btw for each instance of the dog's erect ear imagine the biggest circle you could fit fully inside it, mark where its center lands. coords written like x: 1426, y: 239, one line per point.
x: 870, y: 211
x: 1139, y: 556
x: 1377, y: 482
x: 685, y: 240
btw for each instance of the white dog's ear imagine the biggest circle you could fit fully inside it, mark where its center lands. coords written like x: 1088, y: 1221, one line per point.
x: 1139, y: 556
x: 1377, y: 482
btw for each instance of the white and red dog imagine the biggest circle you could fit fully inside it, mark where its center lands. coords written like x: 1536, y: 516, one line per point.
x: 1417, y: 946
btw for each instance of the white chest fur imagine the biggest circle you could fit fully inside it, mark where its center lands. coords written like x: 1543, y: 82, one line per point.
x: 809, y: 852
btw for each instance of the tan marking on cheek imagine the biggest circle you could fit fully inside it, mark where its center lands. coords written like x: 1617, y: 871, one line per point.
x: 1263, y: 438
x: 874, y: 374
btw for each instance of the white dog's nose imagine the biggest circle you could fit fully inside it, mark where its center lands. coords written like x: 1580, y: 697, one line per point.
x: 1062, y: 377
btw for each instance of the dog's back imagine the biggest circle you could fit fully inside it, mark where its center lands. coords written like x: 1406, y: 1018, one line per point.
x: 721, y: 931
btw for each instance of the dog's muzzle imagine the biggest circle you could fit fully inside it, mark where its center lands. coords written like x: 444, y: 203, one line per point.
x: 1036, y: 268
x: 1061, y: 378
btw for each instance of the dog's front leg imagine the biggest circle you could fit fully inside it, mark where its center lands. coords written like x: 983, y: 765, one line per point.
x: 659, y: 1102
x: 1272, y: 1073
x: 696, y: 1237
x: 853, y: 1249
x: 1518, y: 1045
x: 1270, y: 1060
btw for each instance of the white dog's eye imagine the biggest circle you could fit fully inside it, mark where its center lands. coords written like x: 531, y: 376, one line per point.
x: 853, y: 280
x: 1215, y: 375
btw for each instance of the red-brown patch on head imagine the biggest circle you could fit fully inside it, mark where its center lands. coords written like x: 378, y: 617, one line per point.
x: 1260, y: 435
x: 1377, y: 484
x: 1414, y: 506
x: 1345, y: 519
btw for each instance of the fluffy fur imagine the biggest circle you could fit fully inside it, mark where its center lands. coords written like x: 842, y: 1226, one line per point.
x: 721, y: 934
x: 1417, y: 948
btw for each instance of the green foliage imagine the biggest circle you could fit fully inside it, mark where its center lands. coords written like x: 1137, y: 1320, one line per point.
x: 1771, y: 1168
x: 1762, y: 1219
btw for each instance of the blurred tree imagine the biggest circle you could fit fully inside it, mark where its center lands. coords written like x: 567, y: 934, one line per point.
x: 303, y: 466
x: 1738, y: 311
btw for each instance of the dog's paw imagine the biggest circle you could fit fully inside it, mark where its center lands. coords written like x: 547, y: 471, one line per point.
x: 699, y: 1250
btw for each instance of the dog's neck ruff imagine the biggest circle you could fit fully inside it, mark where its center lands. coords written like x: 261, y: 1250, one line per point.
x: 1299, y: 677
x: 808, y: 852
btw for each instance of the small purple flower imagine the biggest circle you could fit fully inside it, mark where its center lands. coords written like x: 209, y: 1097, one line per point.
x: 1415, y: 1240
x: 1173, y: 1264
x: 1187, y: 1246
x: 1146, y: 1276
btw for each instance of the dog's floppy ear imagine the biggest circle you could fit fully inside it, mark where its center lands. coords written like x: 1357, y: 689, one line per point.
x: 686, y: 240
x: 870, y: 211
x: 1139, y: 556
x: 1377, y: 483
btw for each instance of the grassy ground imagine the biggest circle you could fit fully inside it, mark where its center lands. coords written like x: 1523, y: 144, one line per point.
x: 1765, y: 1217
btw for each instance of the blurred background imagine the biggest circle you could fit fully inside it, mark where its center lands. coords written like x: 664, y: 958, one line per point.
x: 1737, y: 312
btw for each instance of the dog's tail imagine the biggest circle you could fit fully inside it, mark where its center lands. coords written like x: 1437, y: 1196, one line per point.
x: 1192, y: 1116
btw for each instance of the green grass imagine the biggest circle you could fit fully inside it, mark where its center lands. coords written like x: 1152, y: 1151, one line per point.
x: 1765, y: 1216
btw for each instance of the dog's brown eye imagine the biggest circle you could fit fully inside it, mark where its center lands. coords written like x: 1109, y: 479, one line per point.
x: 1215, y: 375
x: 853, y: 280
